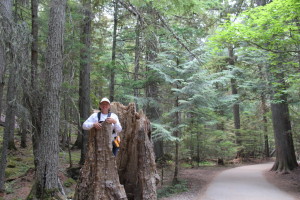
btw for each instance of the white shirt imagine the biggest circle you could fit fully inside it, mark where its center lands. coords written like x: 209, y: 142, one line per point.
x: 89, y: 123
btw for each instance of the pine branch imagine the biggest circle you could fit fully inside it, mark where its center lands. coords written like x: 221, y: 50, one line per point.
x: 177, y: 38
x: 136, y: 12
x: 273, y: 51
x: 132, y: 9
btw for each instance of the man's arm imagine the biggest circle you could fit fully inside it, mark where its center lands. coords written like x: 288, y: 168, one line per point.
x: 89, y: 123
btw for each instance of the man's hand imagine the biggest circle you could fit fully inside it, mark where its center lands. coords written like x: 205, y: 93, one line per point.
x: 110, y: 120
x: 97, y: 125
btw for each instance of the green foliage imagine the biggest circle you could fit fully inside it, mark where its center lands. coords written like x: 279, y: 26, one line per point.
x: 69, y: 182
x: 272, y: 27
x: 173, y: 189
x: 9, y: 189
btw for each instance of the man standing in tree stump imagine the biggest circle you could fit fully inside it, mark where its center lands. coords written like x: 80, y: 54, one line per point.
x: 99, y: 177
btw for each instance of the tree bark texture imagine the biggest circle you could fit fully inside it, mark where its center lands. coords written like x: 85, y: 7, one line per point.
x: 46, y: 182
x: 99, y: 176
x: 236, y: 106
x: 6, y: 13
x: 152, y: 111
x: 85, y: 69
x: 34, y: 43
x: 136, y: 160
x: 285, y: 152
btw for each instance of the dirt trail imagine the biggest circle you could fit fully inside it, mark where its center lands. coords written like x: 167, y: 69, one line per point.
x: 244, y: 183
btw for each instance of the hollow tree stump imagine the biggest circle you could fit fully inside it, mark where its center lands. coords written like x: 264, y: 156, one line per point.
x: 99, y: 176
x: 136, y: 159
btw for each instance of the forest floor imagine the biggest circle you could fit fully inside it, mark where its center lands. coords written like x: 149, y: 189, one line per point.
x: 20, y: 175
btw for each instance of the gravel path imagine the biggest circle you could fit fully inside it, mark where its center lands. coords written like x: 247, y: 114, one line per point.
x: 244, y: 183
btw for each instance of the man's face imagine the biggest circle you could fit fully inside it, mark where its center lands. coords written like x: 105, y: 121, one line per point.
x: 104, y: 106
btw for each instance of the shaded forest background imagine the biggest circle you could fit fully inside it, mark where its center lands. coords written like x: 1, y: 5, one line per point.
x: 217, y: 79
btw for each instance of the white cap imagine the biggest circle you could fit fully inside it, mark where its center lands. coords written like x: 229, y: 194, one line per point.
x: 105, y: 99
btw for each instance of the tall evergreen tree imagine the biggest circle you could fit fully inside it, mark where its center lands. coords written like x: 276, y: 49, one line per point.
x: 46, y: 181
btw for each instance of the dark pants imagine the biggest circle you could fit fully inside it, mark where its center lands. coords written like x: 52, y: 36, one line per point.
x: 115, y: 150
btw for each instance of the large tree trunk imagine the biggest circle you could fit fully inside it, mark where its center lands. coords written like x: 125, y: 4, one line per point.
x: 99, y: 176
x: 85, y: 68
x: 6, y: 14
x: 8, y: 22
x: 46, y: 180
x: 136, y: 160
x: 285, y: 152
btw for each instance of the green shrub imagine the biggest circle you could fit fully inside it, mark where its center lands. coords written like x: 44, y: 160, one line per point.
x: 173, y: 189
x: 207, y: 163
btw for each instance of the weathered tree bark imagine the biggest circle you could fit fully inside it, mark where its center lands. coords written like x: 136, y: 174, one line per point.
x: 33, y: 95
x: 6, y: 13
x: 136, y: 160
x: 34, y: 43
x: 285, y: 152
x: 85, y: 68
x: 46, y: 180
x: 99, y: 176
x: 113, y: 56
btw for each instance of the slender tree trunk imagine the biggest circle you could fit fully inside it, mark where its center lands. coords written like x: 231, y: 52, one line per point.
x: 198, y: 148
x: 264, y: 109
x: 152, y: 111
x: 137, y: 58
x: 236, y: 106
x: 176, y: 134
x: 285, y: 152
x: 84, y: 86
x: 34, y: 44
x: 265, y: 125
x: 33, y: 94
x: 113, y: 57
x: 46, y: 179
x: 2, y: 70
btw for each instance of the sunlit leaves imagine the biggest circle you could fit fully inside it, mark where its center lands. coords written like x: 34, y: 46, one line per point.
x: 274, y: 27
